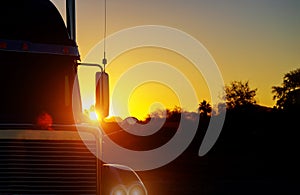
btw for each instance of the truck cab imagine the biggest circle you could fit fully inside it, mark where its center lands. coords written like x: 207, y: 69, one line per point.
x: 41, y: 150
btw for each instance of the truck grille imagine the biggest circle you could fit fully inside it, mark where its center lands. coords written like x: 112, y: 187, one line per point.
x: 47, y: 166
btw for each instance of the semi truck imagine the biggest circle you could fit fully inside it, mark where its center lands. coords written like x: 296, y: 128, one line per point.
x: 41, y: 150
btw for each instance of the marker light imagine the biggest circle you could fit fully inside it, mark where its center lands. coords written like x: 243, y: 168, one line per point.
x: 66, y: 50
x: 3, y: 45
x: 25, y: 46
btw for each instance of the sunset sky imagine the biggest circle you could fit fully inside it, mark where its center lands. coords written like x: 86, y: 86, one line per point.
x: 254, y: 40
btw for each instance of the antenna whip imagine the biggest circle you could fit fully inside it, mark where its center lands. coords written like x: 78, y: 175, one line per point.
x: 104, y: 61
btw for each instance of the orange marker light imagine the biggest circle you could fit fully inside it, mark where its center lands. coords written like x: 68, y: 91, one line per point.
x: 44, y: 121
x: 25, y: 46
x: 3, y: 45
x: 66, y: 50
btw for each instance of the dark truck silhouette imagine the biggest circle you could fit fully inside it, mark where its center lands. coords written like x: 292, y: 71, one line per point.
x: 41, y: 150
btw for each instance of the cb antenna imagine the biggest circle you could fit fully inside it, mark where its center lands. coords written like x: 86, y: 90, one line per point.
x: 104, y: 61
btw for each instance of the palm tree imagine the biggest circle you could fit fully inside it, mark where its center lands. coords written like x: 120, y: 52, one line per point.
x: 204, y: 108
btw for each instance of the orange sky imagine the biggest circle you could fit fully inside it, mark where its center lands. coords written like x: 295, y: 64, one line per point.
x: 249, y: 40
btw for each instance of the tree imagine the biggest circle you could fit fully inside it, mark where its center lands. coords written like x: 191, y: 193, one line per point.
x: 287, y: 95
x: 204, y: 108
x: 174, y: 114
x: 238, y: 94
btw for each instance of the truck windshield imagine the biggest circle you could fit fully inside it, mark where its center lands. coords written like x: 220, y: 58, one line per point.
x: 34, y: 84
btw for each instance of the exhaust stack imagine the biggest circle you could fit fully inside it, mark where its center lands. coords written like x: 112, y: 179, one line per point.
x: 71, y: 19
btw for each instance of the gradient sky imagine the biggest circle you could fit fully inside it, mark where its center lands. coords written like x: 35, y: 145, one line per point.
x: 254, y: 40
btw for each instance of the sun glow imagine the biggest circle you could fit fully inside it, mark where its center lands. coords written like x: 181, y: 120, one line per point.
x: 141, y: 104
x: 144, y: 80
x: 93, y: 116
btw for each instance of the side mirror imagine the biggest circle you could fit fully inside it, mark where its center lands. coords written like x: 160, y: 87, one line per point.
x: 102, y: 94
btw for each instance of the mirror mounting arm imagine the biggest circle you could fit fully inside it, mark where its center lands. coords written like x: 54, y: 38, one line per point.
x: 89, y: 64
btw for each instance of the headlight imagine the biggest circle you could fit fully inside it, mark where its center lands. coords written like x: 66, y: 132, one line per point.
x: 136, y: 189
x: 119, y: 190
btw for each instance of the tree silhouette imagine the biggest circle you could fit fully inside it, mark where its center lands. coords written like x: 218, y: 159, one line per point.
x: 239, y: 94
x: 287, y: 96
x: 204, y: 108
x: 174, y: 114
